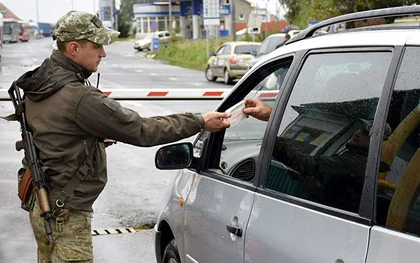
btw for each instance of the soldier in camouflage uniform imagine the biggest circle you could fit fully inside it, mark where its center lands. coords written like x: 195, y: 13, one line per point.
x: 70, y: 120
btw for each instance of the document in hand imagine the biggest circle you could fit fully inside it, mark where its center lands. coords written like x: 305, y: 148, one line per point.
x: 237, y: 114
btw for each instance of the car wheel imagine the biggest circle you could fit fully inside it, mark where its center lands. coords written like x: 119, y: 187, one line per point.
x: 149, y: 47
x: 171, y: 255
x: 209, y: 75
x: 228, y: 79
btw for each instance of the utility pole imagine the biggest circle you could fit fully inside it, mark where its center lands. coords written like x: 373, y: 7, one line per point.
x: 266, y: 18
x: 170, y: 15
x: 232, y: 8
x: 37, y: 17
x: 116, y: 14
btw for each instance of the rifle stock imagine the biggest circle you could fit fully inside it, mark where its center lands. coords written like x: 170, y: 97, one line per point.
x: 31, y: 158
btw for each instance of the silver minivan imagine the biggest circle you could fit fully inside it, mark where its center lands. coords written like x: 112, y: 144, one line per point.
x: 271, y: 43
x: 332, y: 176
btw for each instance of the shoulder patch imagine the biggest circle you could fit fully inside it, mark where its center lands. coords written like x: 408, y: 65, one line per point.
x: 110, y: 103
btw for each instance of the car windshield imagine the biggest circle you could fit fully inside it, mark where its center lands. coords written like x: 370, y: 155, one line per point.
x: 245, y: 49
x: 7, y: 27
x: 270, y: 45
x: 149, y: 36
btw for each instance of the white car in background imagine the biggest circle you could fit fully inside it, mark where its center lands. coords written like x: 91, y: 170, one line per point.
x: 271, y: 43
x: 146, y: 42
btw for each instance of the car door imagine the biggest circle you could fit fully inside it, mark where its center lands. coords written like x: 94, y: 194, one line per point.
x: 308, y: 205
x: 396, y: 234
x: 166, y: 37
x: 226, y: 57
x: 219, y: 204
x: 217, y: 63
x: 161, y: 36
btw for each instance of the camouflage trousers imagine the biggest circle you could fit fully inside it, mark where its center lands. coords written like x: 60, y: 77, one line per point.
x: 72, y: 240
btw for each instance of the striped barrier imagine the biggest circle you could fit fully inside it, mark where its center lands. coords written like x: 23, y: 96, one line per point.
x: 170, y: 94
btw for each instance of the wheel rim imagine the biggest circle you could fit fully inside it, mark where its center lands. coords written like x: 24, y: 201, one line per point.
x: 209, y: 74
x: 172, y: 260
x: 226, y: 76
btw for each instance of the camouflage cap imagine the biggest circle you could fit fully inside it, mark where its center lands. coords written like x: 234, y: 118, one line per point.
x: 77, y: 25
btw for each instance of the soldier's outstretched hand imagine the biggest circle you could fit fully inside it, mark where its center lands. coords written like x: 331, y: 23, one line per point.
x: 216, y: 121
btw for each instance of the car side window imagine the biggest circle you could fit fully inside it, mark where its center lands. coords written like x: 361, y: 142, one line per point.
x: 242, y: 142
x: 322, y: 144
x: 220, y: 51
x: 160, y: 35
x: 398, y: 192
x: 227, y: 50
x: 167, y: 34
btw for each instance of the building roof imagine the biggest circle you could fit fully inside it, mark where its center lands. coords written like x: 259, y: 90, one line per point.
x: 7, y: 13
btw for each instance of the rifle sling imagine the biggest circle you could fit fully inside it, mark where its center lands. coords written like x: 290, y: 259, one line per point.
x: 71, y: 185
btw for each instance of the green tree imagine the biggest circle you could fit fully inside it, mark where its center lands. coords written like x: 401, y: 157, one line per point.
x: 299, y: 12
x: 125, y: 18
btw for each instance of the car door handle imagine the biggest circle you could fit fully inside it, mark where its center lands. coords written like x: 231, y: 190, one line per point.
x: 236, y: 230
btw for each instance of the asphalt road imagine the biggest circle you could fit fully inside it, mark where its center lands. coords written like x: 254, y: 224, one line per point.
x: 123, y: 67
x: 132, y: 195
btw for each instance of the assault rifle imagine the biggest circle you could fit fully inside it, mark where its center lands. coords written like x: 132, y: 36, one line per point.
x: 31, y: 158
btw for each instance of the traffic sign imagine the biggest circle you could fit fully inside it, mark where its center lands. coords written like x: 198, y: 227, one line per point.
x: 211, y: 12
x: 154, y: 26
x: 155, y: 43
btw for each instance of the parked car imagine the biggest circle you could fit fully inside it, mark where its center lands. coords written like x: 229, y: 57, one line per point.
x: 294, y: 32
x: 282, y: 190
x: 270, y: 43
x: 230, y: 61
x: 146, y: 42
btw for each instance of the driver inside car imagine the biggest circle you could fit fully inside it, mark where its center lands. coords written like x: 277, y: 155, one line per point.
x: 342, y: 174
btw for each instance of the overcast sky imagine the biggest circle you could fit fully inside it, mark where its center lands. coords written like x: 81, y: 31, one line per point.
x: 51, y: 10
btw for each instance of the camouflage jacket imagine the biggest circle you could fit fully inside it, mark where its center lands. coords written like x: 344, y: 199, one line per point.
x: 70, y: 121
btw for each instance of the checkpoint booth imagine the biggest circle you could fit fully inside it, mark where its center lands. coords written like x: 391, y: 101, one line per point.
x: 153, y: 17
x: 184, y: 17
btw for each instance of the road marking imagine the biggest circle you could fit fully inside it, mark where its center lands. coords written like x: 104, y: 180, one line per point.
x: 198, y: 84
x: 118, y: 230
x: 152, y: 74
x: 171, y: 78
x: 139, y: 70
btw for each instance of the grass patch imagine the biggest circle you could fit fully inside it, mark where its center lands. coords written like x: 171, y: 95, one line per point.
x: 188, y: 53
x: 192, y: 54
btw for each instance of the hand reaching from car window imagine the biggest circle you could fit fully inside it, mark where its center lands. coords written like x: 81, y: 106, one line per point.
x: 216, y: 121
x: 257, y: 109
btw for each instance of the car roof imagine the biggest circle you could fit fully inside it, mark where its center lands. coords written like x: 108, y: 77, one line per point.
x: 242, y: 43
x: 277, y: 35
x: 371, y: 38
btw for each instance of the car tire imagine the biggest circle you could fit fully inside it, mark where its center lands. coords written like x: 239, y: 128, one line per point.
x: 171, y: 254
x: 209, y: 75
x: 149, y: 47
x: 228, y: 79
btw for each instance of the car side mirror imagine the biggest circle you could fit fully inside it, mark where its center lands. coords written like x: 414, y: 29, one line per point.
x: 175, y: 156
x: 212, y: 54
x: 254, y: 53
